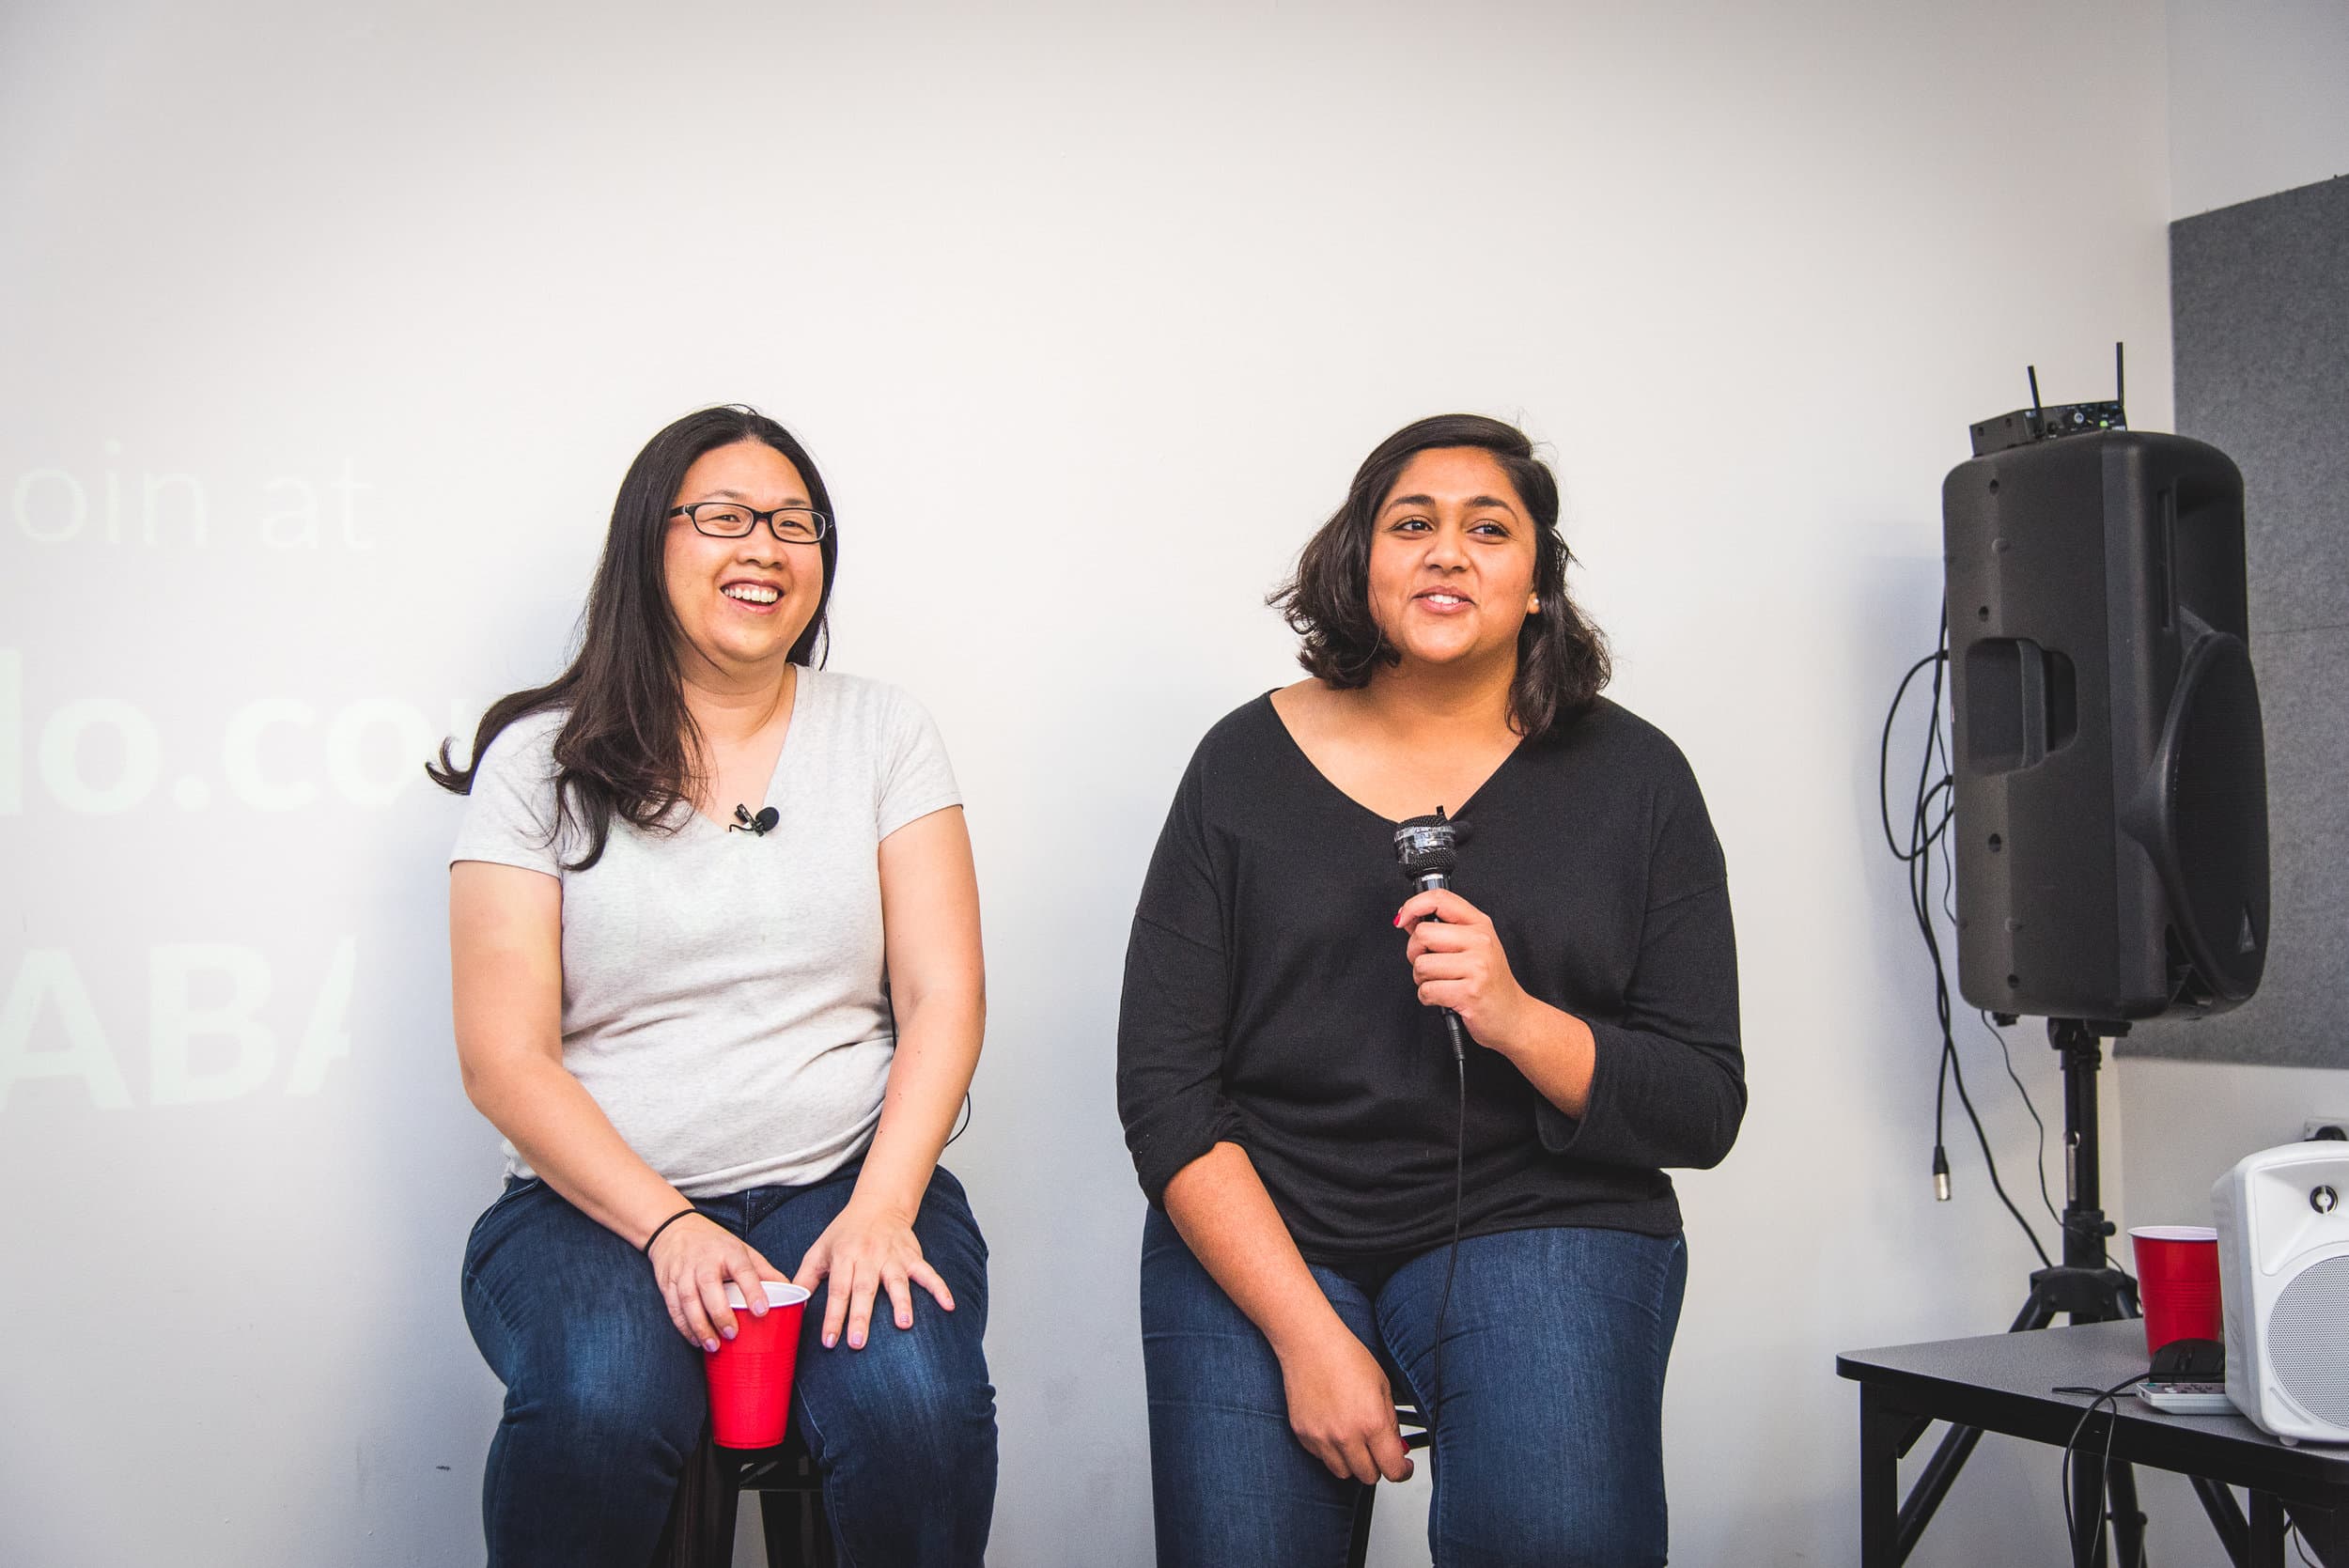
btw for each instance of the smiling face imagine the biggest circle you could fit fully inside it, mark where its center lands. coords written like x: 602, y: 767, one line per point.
x: 1452, y: 559
x: 741, y: 603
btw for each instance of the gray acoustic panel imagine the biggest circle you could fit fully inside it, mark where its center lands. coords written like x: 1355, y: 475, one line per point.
x: 2259, y: 312
x: 2300, y: 1015
x: 2260, y: 304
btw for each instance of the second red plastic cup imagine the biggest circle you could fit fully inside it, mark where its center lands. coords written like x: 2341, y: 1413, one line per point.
x: 750, y: 1375
x: 2177, y: 1279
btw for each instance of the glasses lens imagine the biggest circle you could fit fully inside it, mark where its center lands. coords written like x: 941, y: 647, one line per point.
x: 799, y: 528
x: 726, y: 523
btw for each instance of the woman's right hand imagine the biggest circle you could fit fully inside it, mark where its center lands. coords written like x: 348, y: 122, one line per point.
x: 694, y: 1260
x: 1341, y: 1408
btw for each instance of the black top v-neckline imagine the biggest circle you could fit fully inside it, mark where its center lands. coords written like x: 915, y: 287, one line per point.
x: 1305, y: 760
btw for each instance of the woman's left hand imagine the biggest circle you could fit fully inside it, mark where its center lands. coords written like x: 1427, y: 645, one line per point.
x: 867, y: 1250
x: 1456, y: 959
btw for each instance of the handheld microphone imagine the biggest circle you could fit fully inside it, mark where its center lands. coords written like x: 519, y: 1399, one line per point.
x: 755, y: 826
x: 1427, y: 848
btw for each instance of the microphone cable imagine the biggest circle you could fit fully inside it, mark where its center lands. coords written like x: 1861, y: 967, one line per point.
x: 2084, y: 1543
x: 1452, y: 1252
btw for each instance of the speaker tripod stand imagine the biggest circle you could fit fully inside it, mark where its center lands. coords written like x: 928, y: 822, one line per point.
x: 2088, y: 1289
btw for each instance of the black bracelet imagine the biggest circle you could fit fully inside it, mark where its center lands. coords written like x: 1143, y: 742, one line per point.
x: 662, y: 1226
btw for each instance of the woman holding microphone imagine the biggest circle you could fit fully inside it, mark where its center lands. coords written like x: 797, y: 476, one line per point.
x: 715, y: 943
x: 1339, y: 1213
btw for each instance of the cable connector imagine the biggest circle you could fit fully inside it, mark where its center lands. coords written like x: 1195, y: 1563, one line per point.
x: 1940, y: 1174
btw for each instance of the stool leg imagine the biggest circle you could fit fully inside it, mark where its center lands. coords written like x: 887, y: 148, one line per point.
x: 1358, y: 1550
x: 799, y: 1535
x: 700, y: 1529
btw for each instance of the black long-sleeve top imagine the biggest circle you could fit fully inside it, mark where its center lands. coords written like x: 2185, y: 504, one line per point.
x: 1268, y: 1001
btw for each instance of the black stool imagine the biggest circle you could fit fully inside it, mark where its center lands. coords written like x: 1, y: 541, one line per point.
x: 700, y: 1532
x: 1415, y: 1436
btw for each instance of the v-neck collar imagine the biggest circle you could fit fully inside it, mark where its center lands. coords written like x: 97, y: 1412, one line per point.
x: 1327, y: 782
x: 800, y: 683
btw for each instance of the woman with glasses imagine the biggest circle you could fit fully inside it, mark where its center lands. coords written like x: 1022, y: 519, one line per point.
x: 1408, y: 1144
x: 715, y: 943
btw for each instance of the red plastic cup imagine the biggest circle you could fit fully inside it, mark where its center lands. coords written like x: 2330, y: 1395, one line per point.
x: 750, y: 1375
x: 2177, y: 1280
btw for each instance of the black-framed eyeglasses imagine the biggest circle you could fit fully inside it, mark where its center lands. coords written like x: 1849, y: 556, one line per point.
x: 731, y: 519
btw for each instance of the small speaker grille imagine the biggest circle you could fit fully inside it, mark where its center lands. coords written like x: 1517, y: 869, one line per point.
x: 2306, y: 1342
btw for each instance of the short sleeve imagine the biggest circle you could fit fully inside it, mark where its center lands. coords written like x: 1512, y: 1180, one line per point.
x: 914, y: 777
x: 510, y: 813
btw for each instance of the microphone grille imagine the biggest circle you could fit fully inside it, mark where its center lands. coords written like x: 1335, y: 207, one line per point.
x: 1427, y: 845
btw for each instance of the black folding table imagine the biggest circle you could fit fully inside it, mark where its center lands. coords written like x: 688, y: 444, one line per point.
x: 2004, y: 1383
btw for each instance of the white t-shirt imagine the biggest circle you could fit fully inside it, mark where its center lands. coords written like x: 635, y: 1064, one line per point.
x: 725, y: 994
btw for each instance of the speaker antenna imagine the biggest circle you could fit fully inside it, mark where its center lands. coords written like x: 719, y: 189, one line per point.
x: 2042, y: 423
x: 2120, y: 384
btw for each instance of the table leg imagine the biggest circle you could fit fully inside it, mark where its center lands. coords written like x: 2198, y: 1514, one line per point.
x: 2267, y: 1530
x: 2324, y: 1530
x: 1880, y: 1431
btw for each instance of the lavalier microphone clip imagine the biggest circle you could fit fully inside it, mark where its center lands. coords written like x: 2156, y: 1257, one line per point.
x: 745, y: 823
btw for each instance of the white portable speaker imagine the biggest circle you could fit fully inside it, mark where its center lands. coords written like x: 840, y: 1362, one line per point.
x: 2283, y: 1277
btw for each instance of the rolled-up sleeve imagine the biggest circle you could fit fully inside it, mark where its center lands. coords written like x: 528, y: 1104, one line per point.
x: 1176, y: 1002
x: 1669, y: 1086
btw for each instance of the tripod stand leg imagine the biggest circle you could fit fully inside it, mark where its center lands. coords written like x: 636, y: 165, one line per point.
x: 2226, y: 1519
x: 2087, y: 1509
x: 2129, y: 1520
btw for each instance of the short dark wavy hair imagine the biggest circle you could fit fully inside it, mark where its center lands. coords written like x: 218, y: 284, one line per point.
x: 1562, y: 658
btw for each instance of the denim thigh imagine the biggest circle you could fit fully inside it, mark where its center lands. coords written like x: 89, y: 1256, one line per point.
x: 904, y: 1428
x: 1230, y: 1486
x: 1548, y: 1435
x: 1548, y: 1446
x: 604, y: 1398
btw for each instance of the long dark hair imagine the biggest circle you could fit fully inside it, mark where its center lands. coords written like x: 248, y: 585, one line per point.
x: 628, y: 747
x: 1562, y: 658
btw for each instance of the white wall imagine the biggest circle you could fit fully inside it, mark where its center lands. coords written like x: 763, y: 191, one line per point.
x: 1089, y: 315
x: 2256, y: 101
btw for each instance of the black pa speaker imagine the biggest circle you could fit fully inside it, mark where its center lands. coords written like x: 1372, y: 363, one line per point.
x: 2110, y: 822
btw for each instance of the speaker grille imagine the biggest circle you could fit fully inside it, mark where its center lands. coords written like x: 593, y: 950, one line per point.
x: 2218, y: 830
x: 2305, y: 1340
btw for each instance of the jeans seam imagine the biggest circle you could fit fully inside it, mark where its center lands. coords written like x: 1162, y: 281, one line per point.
x: 834, y: 1517
x: 500, y: 1201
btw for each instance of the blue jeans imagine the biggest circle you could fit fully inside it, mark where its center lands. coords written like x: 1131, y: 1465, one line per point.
x: 1548, y: 1448
x: 605, y: 1401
